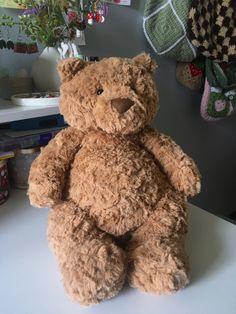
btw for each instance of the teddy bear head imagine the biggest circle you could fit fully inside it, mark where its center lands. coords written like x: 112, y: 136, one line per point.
x: 115, y: 95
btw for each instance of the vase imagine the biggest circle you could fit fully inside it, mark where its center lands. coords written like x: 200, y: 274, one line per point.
x: 44, y: 71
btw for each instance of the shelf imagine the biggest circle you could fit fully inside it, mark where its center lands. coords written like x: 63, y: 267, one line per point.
x: 10, y: 112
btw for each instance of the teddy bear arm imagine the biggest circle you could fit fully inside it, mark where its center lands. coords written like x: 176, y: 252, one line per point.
x: 180, y: 168
x: 47, y: 173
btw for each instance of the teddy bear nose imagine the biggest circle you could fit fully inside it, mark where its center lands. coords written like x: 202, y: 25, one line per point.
x: 122, y: 104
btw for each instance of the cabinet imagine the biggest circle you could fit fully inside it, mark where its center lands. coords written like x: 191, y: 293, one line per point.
x: 10, y: 112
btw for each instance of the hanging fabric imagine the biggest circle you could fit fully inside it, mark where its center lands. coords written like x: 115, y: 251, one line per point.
x: 165, y: 27
x: 213, y: 28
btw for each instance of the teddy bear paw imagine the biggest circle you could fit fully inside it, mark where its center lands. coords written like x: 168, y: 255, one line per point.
x: 158, y: 268
x: 95, y: 272
x: 159, y: 282
x: 187, y: 181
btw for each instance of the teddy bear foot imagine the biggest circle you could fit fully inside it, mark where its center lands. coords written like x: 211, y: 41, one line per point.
x: 94, y: 272
x: 157, y: 269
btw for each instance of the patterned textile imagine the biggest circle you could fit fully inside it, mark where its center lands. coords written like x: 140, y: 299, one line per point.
x: 219, y: 97
x: 213, y: 28
x: 165, y: 27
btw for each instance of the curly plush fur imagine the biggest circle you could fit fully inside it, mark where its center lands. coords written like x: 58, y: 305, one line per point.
x: 117, y: 188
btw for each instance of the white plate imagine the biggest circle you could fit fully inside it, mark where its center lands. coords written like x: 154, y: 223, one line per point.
x: 36, y: 99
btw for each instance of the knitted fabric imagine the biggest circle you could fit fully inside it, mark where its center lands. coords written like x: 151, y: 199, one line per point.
x: 219, y: 97
x: 217, y: 104
x: 165, y: 27
x: 212, y: 26
x: 189, y: 75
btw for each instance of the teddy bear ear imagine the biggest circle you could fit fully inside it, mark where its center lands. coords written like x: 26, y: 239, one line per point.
x: 145, y: 60
x: 68, y: 68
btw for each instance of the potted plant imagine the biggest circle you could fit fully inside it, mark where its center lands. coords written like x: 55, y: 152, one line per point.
x: 55, y: 24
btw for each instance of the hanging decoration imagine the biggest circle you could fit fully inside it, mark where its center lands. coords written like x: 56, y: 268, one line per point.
x: 98, y: 11
x: 6, y: 23
x: 52, y: 22
x: 120, y: 2
x: 20, y: 46
x: 9, y: 43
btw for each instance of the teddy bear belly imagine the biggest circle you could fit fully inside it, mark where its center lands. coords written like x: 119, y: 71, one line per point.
x: 119, y: 188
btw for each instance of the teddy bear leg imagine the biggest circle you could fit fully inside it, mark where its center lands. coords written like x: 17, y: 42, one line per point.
x: 93, y: 267
x: 157, y: 262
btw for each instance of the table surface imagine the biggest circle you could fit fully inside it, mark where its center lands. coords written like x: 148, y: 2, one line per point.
x: 30, y: 282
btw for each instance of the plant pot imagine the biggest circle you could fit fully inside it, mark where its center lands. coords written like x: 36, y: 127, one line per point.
x: 44, y: 71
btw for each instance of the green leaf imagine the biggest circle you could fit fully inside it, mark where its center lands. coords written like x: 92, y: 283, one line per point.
x: 231, y: 73
x: 210, y: 74
x: 220, y: 76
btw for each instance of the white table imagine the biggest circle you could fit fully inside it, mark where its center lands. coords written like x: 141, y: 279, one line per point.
x: 30, y: 282
x: 10, y: 112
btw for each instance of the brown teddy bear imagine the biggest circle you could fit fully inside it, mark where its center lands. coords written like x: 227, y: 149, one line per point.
x: 116, y: 187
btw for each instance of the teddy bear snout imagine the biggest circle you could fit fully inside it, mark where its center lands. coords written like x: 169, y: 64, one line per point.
x: 122, y: 104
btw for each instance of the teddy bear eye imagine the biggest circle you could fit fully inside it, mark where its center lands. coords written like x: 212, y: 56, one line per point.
x: 99, y: 91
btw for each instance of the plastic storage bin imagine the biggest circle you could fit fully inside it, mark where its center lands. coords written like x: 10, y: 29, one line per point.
x: 8, y: 143
x: 4, y: 182
x: 19, y: 166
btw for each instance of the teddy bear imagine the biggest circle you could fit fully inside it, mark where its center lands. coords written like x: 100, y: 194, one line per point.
x: 116, y: 187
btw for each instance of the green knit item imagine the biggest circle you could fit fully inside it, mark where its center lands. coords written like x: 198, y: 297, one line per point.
x: 222, y: 95
x: 211, y: 109
x: 165, y: 27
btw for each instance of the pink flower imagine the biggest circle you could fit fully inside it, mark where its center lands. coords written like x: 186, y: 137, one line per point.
x: 72, y: 16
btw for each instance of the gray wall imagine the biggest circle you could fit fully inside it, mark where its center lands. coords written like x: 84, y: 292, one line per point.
x: 212, y: 145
